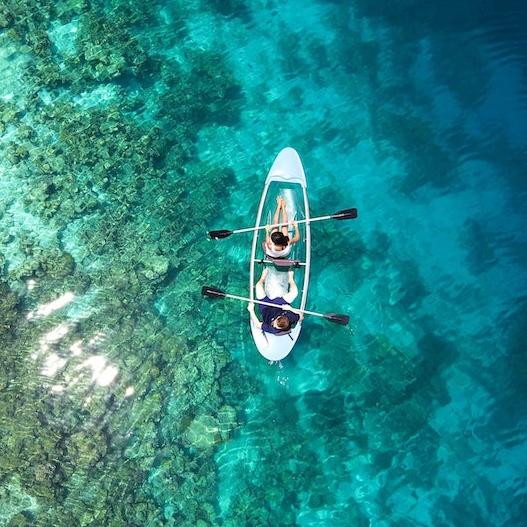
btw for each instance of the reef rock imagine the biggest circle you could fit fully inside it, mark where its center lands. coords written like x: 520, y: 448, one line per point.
x: 155, y: 266
x: 203, y: 432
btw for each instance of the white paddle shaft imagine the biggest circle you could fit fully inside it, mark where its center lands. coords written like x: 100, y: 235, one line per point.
x: 310, y: 220
x: 270, y: 304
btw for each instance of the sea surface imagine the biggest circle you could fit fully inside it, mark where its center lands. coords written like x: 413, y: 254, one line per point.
x: 128, y: 129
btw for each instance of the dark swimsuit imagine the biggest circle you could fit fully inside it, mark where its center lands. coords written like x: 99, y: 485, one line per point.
x: 270, y: 313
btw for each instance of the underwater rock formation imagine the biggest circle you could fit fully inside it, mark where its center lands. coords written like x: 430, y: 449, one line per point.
x: 103, y: 179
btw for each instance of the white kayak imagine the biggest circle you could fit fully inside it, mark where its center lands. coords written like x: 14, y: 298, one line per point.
x: 287, y: 179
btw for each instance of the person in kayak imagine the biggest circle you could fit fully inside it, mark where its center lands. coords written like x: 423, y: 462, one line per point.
x: 279, y: 319
x: 277, y: 242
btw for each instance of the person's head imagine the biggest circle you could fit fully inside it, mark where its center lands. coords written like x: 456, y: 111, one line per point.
x: 282, y: 323
x: 280, y: 240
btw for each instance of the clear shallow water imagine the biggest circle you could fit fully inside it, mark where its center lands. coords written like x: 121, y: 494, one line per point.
x: 126, y: 399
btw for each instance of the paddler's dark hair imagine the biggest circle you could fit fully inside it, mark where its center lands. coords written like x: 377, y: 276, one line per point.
x: 278, y: 238
x: 283, y: 323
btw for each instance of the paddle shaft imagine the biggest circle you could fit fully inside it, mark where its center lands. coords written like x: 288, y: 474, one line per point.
x: 310, y: 220
x: 244, y: 299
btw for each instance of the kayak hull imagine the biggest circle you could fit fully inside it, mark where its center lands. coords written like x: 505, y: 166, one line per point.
x: 287, y: 179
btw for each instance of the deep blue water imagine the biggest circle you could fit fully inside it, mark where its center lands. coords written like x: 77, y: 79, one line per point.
x: 128, y: 130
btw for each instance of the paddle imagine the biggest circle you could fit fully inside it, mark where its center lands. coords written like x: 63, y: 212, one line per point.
x: 214, y: 292
x: 346, y: 214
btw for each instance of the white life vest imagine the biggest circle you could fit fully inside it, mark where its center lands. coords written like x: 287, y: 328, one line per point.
x: 271, y: 251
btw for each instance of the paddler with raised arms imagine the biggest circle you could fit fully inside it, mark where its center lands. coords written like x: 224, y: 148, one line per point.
x: 277, y: 242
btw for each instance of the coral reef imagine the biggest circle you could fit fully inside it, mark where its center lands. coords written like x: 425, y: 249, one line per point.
x: 8, y: 309
x: 109, y: 227
x: 16, y: 507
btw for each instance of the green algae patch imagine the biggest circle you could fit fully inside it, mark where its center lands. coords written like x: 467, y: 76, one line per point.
x: 106, y: 48
x: 58, y: 264
x: 8, y: 309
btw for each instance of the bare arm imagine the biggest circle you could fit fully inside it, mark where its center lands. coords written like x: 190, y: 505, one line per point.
x: 267, y: 235
x: 296, y: 237
x: 276, y: 217
x: 285, y: 221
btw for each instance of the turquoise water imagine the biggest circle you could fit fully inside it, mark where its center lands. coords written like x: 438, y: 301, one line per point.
x: 127, y: 130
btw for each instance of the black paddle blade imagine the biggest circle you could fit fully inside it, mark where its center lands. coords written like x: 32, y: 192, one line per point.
x: 216, y: 235
x: 338, y: 319
x: 346, y: 214
x: 213, y: 292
